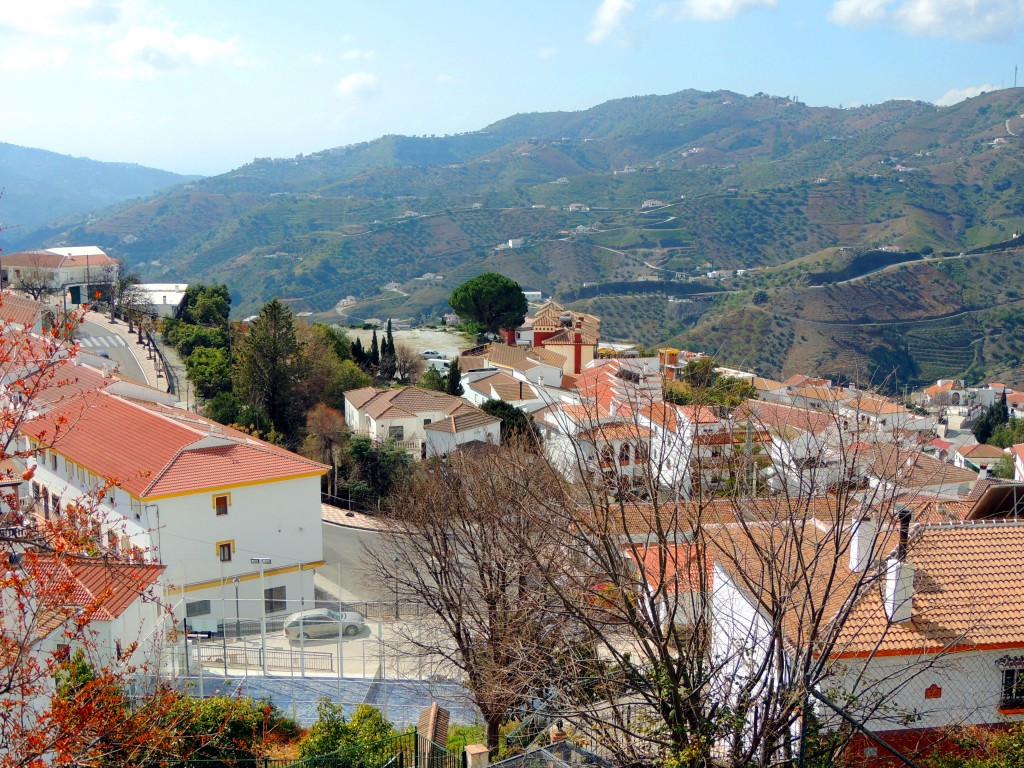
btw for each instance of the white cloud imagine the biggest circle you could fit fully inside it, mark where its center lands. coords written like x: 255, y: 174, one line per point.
x: 445, y: 79
x: 60, y: 17
x: 711, y: 10
x: 857, y: 13
x: 956, y: 95
x: 962, y: 19
x: 546, y: 53
x: 356, y: 53
x: 358, y: 85
x: 29, y: 58
x: 146, y: 51
x: 607, y: 18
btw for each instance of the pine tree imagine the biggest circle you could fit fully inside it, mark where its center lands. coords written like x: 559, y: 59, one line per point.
x: 269, y: 367
x: 453, y: 382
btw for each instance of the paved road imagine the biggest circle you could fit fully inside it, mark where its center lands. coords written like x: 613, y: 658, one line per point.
x: 103, y: 345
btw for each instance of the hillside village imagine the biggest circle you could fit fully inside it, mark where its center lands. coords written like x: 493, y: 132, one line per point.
x: 806, y: 538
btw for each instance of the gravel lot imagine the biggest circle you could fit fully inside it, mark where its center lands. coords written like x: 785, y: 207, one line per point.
x: 448, y: 344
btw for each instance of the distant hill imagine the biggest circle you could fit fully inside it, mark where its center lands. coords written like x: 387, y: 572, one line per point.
x: 40, y: 186
x: 637, y: 196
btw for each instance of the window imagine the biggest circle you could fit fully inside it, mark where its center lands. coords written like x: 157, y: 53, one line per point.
x: 221, y: 502
x: 224, y: 549
x: 426, y: 421
x: 53, y: 461
x: 275, y: 599
x: 624, y: 453
x: 197, y: 608
x: 396, y: 433
x: 136, y: 505
x: 1013, y: 688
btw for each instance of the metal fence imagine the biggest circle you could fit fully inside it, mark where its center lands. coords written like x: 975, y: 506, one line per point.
x: 247, y: 656
x: 406, y: 750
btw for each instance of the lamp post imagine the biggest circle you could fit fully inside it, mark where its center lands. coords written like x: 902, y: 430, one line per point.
x: 238, y: 622
x: 159, y: 548
x: 262, y: 562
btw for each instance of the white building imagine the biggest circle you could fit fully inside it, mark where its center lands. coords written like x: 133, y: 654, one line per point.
x: 78, y: 266
x: 181, y: 490
x: 423, y: 422
x: 163, y: 298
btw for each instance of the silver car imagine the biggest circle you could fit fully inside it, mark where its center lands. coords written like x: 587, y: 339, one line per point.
x: 323, y: 622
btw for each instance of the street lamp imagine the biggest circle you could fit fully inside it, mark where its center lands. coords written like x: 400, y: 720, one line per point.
x: 262, y: 562
x: 238, y: 623
x: 394, y: 581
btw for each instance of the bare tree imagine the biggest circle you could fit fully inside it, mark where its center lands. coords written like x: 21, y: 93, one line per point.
x: 409, y: 365
x: 714, y: 614
x: 462, y: 548
x: 37, y: 281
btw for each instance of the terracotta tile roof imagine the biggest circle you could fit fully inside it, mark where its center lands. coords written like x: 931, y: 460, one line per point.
x: 149, y: 453
x: 980, y: 451
x: 568, y: 382
x: 766, y: 385
x: 672, y: 567
x: 616, y: 430
x: 875, y: 405
x: 936, y: 389
x: 825, y: 394
x: 359, y: 397
x: 775, y: 417
x: 913, y: 469
x: 966, y: 595
x: 105, y: 587
x: 408, y: 402
x: 698, y: 414
x: 567, y: 337
x: 462, y: 422
x: 548, y: 356
x: 19, y: 310
x: 505, y: 387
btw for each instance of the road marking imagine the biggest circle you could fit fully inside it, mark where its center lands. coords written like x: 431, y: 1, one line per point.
x: 85, y: 341
x: 120, y: 340
x: 103, y: 340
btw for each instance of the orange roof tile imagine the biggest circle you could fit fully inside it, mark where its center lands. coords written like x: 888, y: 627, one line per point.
x: 967, y: 595
x: 149, y: 453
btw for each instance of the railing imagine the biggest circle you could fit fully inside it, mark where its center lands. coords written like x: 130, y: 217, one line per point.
x: 406, y: 750
x: 163, y: 367
x: 246, y: 656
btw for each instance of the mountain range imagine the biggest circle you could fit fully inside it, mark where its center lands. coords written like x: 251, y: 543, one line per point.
x: 873, y: 243
x: 40, y: 186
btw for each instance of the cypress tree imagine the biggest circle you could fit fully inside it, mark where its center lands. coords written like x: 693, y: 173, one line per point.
x: 374, y: 358
x: 453, y: 382
x: 358, y: 355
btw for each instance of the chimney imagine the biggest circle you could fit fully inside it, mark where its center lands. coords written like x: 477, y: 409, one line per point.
x: 862, y: 542
x: 899, y: 574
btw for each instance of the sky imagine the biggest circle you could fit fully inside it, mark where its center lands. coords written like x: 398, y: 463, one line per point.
x: 205, y: 86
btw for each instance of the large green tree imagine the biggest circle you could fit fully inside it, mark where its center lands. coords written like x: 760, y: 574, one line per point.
x: 269, y: 368
x: 491, y: 299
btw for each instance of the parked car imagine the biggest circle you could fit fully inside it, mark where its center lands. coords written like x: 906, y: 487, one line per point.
x: 430, y: 354
x: 323, y: 622
x: 104, y: 354
x: 439, y: 364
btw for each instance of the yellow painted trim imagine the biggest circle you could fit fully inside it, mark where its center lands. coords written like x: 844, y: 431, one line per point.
x: 254, y: 576
x: 214, y: 497
x: 215, y: 488
x: 220, y: 544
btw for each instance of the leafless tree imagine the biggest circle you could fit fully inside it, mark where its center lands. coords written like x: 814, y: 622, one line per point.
x: 409, y: 365
x: 37, y: 281
x: 462, y: 548
x: 714, y: 613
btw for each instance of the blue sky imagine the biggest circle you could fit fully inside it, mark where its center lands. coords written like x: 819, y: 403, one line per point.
x: 204, y: 86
